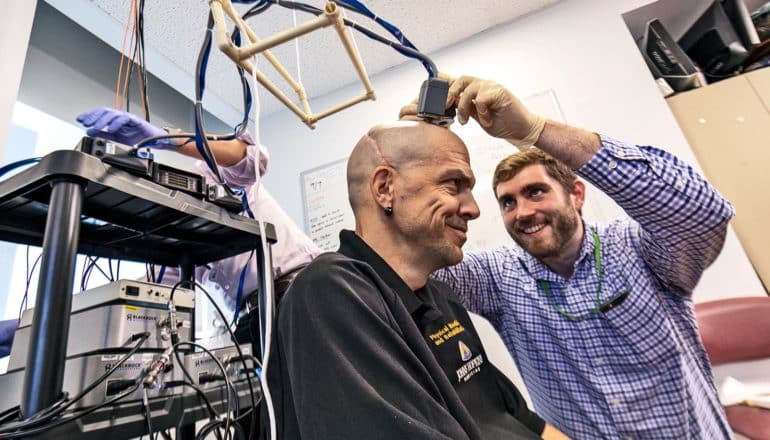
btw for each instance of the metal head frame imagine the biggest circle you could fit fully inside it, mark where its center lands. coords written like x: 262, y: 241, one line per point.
x: 241, y: 54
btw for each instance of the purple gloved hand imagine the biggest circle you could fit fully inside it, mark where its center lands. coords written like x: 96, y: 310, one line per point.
x: 122, y: 127
x: 7, y: 329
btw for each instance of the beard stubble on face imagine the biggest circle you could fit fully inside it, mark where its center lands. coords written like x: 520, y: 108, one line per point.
x: 562, y: 225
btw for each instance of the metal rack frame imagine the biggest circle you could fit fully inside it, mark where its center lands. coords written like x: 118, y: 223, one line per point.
x: 73, y: 203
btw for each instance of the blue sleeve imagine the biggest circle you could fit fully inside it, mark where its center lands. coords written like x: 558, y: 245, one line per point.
x: 473, y: 281
x: 682, y: 218
x: 7, y: 329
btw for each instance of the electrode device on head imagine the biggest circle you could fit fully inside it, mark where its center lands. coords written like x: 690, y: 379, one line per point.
x: 431, y: 105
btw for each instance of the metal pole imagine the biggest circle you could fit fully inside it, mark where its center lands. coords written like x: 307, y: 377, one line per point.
x: 50, y: 324
x: 187, y: 273
x: 266, y: 293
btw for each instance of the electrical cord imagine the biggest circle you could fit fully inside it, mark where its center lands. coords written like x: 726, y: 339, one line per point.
x: 23, y: 304
x: 35, y: 431
x: 407, y: 50
x: 5, y: 169
x: 87, y: 270
x: 240, y: 355
x: 211, y: 426
x: 360, y: 8
x: 147, y: 415
x: 62, y: 405
x: 197, y: 389
x: 269, y: 296
x: 228, y: 419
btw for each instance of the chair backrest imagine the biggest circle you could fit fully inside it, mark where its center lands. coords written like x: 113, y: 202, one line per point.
x: 735, y: 329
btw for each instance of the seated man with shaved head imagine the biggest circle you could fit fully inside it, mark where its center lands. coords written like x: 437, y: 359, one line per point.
x: 366, y: 345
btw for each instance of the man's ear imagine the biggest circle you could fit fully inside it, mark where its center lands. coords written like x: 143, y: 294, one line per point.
x: 578, y: 194
x: 381, y: 185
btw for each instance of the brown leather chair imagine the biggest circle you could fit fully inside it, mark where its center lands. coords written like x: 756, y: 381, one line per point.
x: 738, y: 330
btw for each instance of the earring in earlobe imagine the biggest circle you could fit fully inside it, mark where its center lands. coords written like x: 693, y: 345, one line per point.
x: 389, y: 211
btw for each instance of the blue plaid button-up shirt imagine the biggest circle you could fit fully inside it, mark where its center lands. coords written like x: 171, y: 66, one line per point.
x: 639, y: 370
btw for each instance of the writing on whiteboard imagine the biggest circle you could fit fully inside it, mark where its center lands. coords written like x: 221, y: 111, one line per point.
x: 325, y: 199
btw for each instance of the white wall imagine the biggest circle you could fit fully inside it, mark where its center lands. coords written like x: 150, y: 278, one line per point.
x: 15, y: 27
x: 579, y: 48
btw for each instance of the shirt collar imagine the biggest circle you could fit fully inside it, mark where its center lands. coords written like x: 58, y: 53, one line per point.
x: 352, y: 246
x: 538, y: 270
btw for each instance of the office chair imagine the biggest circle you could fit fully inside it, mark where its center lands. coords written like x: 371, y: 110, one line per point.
x: 738, y: 330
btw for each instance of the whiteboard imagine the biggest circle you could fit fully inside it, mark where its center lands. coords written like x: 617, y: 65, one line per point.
x: 325, y: 195
x: 325, y: 203
x: 488, y: 231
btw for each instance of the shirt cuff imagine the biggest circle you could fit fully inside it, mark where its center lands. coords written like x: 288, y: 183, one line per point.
x: 614, y: 165
x: 247, y: 171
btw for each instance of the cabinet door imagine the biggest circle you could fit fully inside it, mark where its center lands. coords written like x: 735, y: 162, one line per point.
x: 760, y: 82
x: 728, y: 128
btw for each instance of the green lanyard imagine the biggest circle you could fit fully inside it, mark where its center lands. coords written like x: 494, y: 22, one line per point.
x: 599, y: 273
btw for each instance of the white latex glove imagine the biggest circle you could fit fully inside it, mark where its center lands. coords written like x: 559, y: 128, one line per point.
x: 496, y: 109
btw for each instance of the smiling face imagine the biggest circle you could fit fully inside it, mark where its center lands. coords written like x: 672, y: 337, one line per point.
x: 434, y: 203
x: 539, y: 213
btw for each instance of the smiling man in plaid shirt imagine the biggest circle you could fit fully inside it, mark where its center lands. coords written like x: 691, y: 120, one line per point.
x: 598, y: 318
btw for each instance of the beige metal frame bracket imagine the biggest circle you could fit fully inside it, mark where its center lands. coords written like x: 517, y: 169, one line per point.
x: 241, y: 54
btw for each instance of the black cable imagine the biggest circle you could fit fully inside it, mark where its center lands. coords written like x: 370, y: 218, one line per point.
x: 211, y: 426
x: 10, y: 414
x: 41, y: 429
x: 24, y: 299
x: 228, y: 386
x: 147, y: 415
x: 400, y: 48
x: 172, y: 384
x: 200, y: 79
x: 58, y: 408
x: 190, y: 382
x: 83, y: 274
x: 109, y: 264
x: 188, y: 136
x: 142, y: 53
x: 252, y: 425
x: 88, y: 274
x: 95, y: 264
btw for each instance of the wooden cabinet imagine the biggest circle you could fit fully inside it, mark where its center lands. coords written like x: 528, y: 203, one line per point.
x: 728, y: 127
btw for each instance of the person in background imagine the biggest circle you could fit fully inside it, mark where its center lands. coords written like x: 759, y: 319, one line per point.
x: 366, y: 345
x: 243, y: 163
x: 598, y: 318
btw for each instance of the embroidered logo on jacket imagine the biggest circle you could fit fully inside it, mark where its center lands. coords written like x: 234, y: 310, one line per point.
x: 469, y: 369
x: 465, y: 352
x: 447, y: 332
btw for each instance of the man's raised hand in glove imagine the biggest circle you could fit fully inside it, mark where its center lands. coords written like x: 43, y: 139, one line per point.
x: 495, y: 108
x: 502, y: 115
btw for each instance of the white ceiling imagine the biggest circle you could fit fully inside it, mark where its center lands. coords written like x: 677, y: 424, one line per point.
x: 174, y: 29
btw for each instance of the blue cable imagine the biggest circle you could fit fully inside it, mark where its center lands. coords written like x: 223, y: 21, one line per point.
x: 18, y: 164
x: 242, y: 278
x: 393, y: 30
x: 239, y: 292
x: 162, y: 272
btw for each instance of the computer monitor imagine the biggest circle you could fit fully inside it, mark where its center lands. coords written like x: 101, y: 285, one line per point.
x: 714, y: 45
x: 667, y: 60
x: 740, y: 17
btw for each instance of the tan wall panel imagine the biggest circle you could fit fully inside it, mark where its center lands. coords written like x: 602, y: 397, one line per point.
x: 760, y: 81
x: 728, y: 128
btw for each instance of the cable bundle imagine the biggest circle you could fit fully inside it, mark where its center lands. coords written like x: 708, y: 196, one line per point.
x: 136, y: 61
